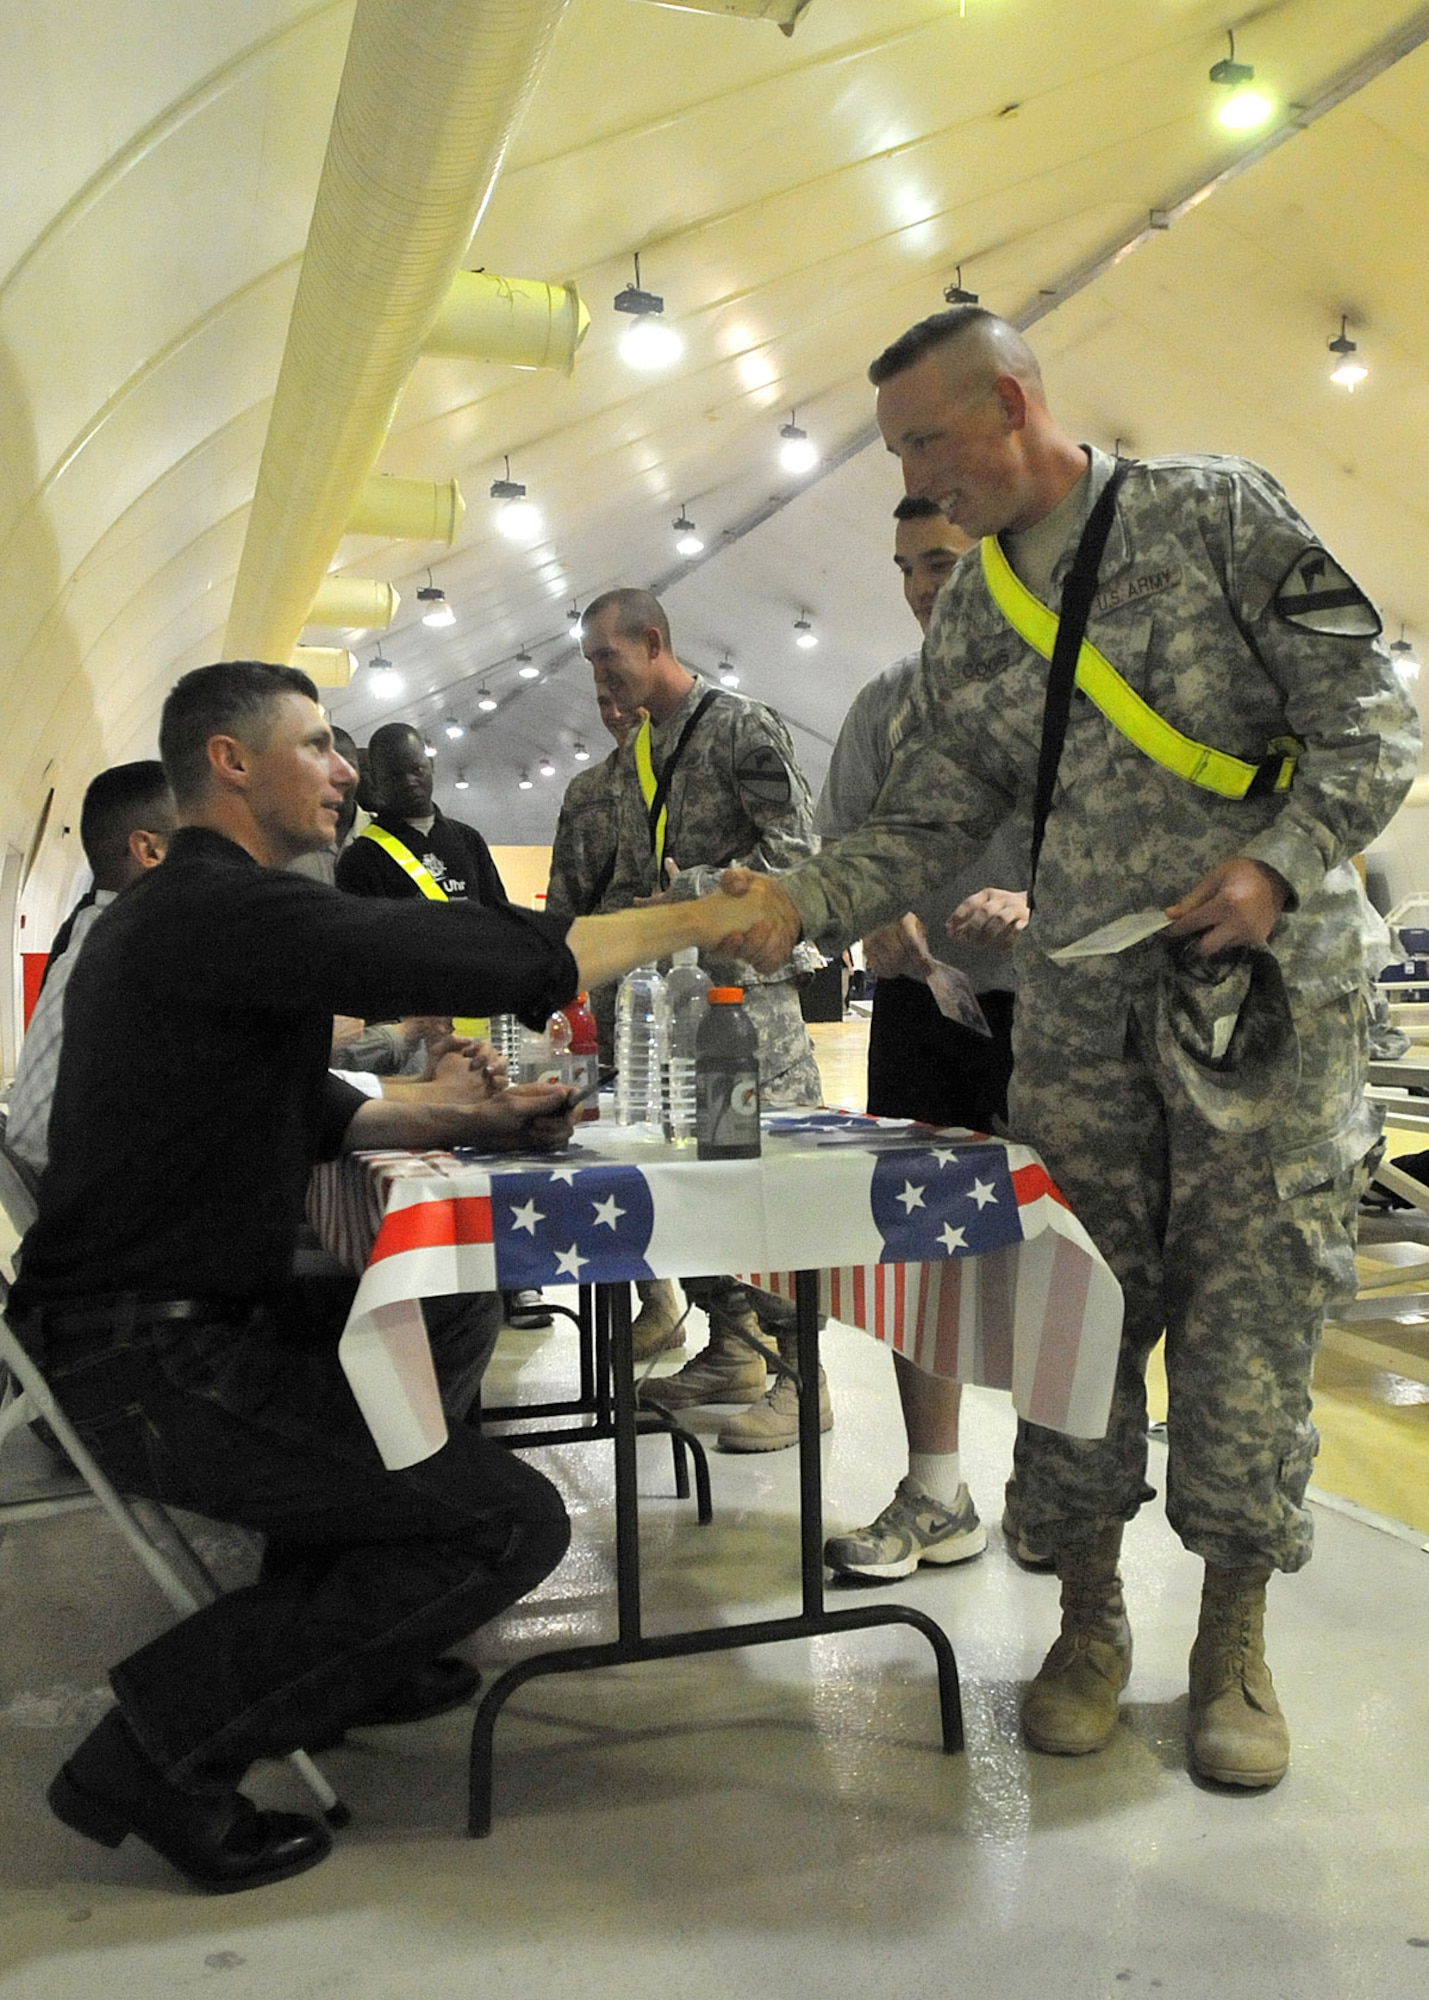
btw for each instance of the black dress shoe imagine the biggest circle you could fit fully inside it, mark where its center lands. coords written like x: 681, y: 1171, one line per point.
x: 526, y: 1310
x: 220, y: 1840
x: 431, y: 1690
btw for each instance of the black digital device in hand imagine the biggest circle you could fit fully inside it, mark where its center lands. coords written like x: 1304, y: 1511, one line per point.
x: 592, y: 1089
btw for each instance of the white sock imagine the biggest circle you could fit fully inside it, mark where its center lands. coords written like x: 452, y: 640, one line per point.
x: 939, y: 1473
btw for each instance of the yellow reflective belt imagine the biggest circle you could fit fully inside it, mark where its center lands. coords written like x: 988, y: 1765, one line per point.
x: 476, y: 1025
x: 1214, y: 770
x: 406, y: 860
x: 645, y: 770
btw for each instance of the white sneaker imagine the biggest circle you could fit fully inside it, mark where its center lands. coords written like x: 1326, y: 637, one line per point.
x: 913, y: 1528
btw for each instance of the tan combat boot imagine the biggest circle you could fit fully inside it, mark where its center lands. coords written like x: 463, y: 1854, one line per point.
x: 1236, y: 1731
x: 773, y: 1423
x: 729, y: 1370
x: 660, y: 1322
x: 1071, y: 1707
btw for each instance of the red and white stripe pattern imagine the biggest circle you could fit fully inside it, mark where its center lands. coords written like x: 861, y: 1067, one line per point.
x: 1001, y: 1284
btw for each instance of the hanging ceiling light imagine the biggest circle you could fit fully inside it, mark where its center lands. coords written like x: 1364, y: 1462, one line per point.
x: 580, y: 753
x: 383, y: 679
x: 647, y: 342
x: 438, y: 611
x: 804, y: 633
x: 486, y: 701
x: 461, y: 782
x: 454, y: 730
x: 526, y: 667
x: 518, y: 518
x: 956, y: 294
x: 546, y: 768
x: 1243, y: 108
x: 1348, y: 368
x: 798, y: 453
x: 1406, y: 662
x: 573, y: 621
x: 687, y: 542
x: 431, y: 750
x: 525, y: 782
x: 727, y: 676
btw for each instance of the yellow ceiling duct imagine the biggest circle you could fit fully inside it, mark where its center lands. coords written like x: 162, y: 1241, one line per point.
x: 784, y: 13
x: 429, y: 98
x: 326, y: 666
x: 413, y: 510
x: 520, y: 321
x: 354, y: 600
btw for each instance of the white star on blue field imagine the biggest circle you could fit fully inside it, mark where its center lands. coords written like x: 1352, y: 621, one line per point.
x: 943, y: 1203
x: 569, y: 1226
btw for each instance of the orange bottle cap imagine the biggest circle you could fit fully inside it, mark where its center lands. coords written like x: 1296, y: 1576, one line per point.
x: 727, y: 995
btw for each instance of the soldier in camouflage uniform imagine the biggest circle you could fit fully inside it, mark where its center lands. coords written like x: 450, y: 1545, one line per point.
x: 734, y: 794
x: 582, y: 862
x: 1220, y: 608
x: 585, y: 841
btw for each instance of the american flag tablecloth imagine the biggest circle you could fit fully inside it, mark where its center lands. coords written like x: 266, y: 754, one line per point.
x: 953, y: 1247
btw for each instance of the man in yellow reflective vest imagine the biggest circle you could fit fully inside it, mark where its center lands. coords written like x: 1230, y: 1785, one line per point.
x: 411, y: 848
x: 411, y: 835
x: 1237, y: 732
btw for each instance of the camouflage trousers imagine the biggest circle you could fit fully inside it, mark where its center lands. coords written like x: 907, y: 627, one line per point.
x: 1234, y: 1246
x: 788, y: 1074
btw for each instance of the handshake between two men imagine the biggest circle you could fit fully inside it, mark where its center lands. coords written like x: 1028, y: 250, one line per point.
x: 1236, y: 903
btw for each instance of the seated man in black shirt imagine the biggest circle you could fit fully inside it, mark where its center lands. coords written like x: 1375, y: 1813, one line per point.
x: 154, y: 1284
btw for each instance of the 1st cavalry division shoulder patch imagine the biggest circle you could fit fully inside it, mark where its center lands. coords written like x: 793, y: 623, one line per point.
x: 1316, y: 595
x: 761, y: 774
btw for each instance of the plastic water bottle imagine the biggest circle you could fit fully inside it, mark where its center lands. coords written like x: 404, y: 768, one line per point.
x: 584, y: 1056
x: 559, y: 1068
x: 505, y: 1038
x: 727, y: 1079
x: 687, y: 987
x: 542, y: 1056
x: 639, y: 1047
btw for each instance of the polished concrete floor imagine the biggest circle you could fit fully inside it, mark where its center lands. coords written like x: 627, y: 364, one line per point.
x: 779, y: 1818
x: 782, y: 1817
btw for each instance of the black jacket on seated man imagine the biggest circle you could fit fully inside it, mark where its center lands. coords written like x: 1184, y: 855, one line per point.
x: 194, y: 1095
x: 193, y: 1099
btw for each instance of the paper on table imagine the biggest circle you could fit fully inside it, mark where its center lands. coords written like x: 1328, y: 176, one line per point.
x: 1119, y: 935
x: 953, y: 992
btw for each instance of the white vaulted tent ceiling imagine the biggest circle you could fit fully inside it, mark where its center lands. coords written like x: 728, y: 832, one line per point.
x: 797, y: 200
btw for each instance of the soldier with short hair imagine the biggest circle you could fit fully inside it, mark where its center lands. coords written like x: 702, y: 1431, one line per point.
x: 710, y: 778
x: 1235, y: 735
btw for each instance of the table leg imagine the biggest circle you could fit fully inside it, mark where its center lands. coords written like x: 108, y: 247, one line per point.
x: 627, y: 1513
x: 811, y: 1484
x: 813, y: 1622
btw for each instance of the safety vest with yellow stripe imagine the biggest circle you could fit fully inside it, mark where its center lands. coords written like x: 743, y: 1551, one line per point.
x: 398, y: 851
x: 1214, y: 770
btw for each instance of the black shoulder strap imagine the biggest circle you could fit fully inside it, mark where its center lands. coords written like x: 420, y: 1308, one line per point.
x: 662, y: 786
x: 1077, y: 594
x: 599, y: 886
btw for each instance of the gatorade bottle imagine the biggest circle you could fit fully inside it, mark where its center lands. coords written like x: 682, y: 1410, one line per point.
x: 584, y: 1059
x: 727, y: 1079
